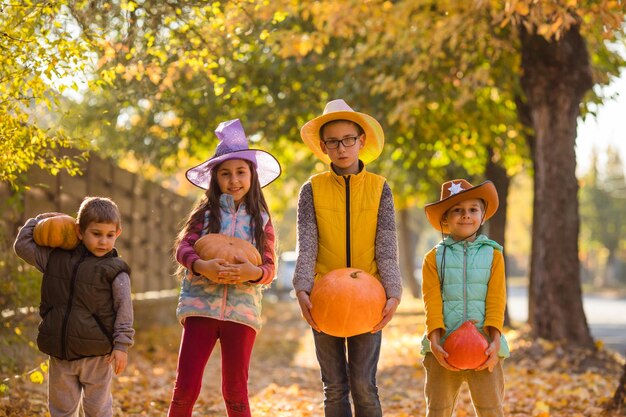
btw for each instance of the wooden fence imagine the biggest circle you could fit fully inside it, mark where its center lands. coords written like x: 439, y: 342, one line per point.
x: 151, y: 214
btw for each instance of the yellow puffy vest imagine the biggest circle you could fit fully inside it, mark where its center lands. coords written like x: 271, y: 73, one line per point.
x: 346, y: 210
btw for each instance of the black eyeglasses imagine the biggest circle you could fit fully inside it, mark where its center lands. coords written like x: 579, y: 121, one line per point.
x: 346, y: 142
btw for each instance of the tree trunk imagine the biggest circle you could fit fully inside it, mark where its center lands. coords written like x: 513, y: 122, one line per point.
x: 497, y: 224
x: 523, y: 114
x: 407, y: 244
x: 556, y: 75
x: 611, y: 268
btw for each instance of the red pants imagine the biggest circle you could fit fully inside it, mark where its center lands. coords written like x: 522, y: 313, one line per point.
x: 199, y: 337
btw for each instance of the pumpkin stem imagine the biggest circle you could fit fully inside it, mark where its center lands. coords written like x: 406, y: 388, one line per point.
x: 355, y: 274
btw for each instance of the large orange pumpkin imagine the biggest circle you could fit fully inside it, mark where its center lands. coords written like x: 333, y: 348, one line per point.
x: 466, y: 347
x: 347, y: 302
x: 56, y: 232
x: 216, y: 245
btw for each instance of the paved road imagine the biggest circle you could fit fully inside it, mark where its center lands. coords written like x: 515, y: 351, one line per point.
x: 606, y: 316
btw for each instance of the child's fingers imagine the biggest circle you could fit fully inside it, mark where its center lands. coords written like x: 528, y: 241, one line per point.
x: 442, y: 361
x: 305, y: 307
x: 120, y: 361
x: 386, y: 319
x: 313, y: 324
x: 304, y: 300
x: 491, y: 349
x: 440, y: 351
x: 487, y: 365
x: 120, y: 367
x: 240, y: 259
x: 219, y: 261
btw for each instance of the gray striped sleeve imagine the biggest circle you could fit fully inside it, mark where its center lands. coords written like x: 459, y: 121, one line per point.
x: 387, y: 246
x: 123, y: 331
x: 306, y: 247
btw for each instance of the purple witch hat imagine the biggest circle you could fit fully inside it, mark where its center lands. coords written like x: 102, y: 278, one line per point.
x: 233, y: 144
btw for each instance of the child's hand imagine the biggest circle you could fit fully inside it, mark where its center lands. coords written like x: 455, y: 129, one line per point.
x: 244, y: 270
x: 390, y: 308
x: 493, y: 358
x: 305, y: 305
x: 119, y: 360
x: 437, y: 350
x: 216, y: 270
x: 492, y: 351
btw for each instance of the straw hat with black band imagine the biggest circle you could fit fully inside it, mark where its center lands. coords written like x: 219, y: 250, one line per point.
x: 339, y: 110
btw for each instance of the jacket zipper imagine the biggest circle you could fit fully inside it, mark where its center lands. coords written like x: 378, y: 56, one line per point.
x: 348, y: 256
x: 68, y: 310
x: 464, y: 282
x: 232, y: 234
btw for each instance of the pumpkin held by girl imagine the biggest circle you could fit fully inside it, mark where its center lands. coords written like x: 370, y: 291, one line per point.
x: 347, y: 302
x: 216, y: 245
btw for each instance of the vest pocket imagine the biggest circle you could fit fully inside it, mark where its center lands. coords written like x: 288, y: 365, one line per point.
x: 44, y: 312
x: 102, y: 328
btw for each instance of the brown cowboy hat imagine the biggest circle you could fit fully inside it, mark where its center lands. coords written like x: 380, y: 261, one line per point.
x: 455, y: 191
x: 339, y: 110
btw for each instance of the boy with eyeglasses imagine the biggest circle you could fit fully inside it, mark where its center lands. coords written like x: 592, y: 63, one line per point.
x: 346, y: 219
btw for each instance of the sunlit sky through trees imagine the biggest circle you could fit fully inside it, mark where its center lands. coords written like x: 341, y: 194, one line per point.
x: 607, y: 128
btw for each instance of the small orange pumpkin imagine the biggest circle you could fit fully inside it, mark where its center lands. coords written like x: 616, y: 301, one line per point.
x: 56, y: 232
x: 347, y: 302
x: 216, y: 245
x: 466, y: 347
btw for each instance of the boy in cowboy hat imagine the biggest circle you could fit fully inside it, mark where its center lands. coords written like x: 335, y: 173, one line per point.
x: 463, y: 279
x: 346, y: 219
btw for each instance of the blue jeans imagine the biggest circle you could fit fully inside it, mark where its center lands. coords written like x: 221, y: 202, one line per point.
x: 354, y: 372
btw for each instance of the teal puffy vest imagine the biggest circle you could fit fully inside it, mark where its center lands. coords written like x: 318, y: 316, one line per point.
x: 464, y: 274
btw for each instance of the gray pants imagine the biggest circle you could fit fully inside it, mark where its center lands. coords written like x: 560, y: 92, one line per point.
x: 87, y: 379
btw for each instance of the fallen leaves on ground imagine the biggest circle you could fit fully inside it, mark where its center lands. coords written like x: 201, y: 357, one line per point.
x: 542, y: 379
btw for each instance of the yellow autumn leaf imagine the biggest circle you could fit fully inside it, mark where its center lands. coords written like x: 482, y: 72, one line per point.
x: 36, y: 377
x: 543, y: 30
x: 279, y: 17
x: 554, y: 27
x: 44, y: 366
x: 129, y: 6
x: 305, y: 45
x: 522, y: 8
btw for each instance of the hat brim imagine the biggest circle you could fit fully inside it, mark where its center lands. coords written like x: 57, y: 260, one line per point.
x: 485, y: 191
x: 268, y: 168
x: 374, y: 135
